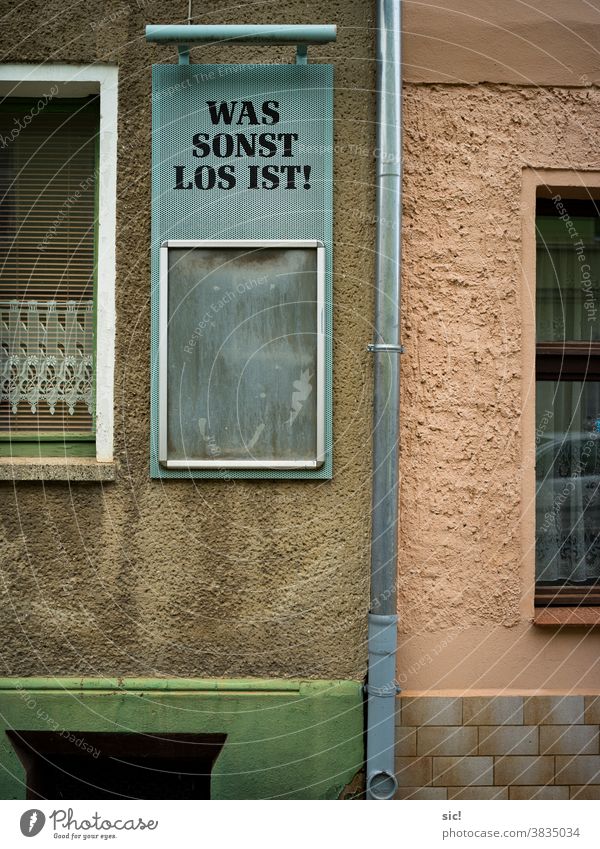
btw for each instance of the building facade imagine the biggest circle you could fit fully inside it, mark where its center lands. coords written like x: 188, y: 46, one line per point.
x: 500, y: 111
x: 228, y: 617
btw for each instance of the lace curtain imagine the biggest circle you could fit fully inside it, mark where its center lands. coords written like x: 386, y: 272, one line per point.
x: 47, y: 354
x: 568, y: 293
x: 568, y: 481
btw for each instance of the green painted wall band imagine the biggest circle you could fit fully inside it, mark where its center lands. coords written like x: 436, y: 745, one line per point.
x: 183, y: 684
x: 284, y: 739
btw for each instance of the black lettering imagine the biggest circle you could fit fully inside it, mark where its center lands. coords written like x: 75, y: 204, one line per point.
x: 268, y: 146
x: 287, y: 139
x: 205, y: 177
x: 226, y: 174
x: 223, y: 113
x: 253, y: 177
x: 222, y: 145
x: 269, y: 109
x: 269, y: 173
x: 179, y: 169
x: 290, y: 171
x: 246, y: 145
x: 247, y: 112
x: 202, y: 149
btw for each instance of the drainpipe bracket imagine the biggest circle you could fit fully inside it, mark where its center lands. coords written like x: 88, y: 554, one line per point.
x: 381, y: 347
x: 383, y: 692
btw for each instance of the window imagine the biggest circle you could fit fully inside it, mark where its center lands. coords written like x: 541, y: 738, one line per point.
x: 48, y: 201
x: 58, y: 151
x: 567, y: 402
x: 105, y: 765
x: 242, y: 381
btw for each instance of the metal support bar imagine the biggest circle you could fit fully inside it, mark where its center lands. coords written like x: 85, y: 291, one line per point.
x: 241, y: 33
x: 185, y: 34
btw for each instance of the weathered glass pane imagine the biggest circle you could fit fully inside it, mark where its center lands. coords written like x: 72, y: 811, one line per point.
x: 242, y: 354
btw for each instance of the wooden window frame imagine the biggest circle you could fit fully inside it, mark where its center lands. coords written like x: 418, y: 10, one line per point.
x: 559, y: 361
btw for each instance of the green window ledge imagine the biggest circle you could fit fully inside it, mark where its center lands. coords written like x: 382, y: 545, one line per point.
x: 43, y: 448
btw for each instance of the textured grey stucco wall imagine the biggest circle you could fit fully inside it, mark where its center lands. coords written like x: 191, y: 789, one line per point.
x: 143, y: 577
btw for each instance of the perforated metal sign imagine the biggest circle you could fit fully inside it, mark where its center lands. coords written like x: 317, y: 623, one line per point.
x: 241, y: 299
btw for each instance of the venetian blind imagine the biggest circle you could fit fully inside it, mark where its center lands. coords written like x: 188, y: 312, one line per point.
x: 48, y: 177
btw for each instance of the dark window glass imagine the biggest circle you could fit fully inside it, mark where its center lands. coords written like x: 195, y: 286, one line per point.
x: 48, y: 188
x: 567, y: 402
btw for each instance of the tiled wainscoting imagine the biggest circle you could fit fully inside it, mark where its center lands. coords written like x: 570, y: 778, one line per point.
x: 498, y: 747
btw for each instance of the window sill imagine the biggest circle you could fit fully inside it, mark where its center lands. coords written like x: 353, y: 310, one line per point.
x: 570, y: 616
x: 84, y: 469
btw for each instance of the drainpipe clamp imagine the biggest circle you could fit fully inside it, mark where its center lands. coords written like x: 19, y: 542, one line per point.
x: 394, y: 689
x: 376, y: 347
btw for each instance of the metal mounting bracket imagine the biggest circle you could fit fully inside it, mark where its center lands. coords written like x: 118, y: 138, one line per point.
x: 301, y: 54
x: 377, y: 347
x: 185, y: 35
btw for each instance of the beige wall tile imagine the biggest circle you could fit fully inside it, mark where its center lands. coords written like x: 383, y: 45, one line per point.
x: 421, y: 793
x: 589, y: 791
x: 462, y: 772
x: 524, y: 770
x: 413, y: 772
x: 508, y: 740
x: 406, y: 741
x: 493, y: 710
x: 478, y: 792
x: 533, y: 792
x: 592, y: 709
x: 553, y: 710
x: 432, y: 710
x: 447, y: 740
x: 577, y: 769
x: 569, y: 740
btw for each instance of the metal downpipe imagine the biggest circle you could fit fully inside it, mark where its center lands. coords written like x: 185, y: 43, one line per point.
x: 382, y: 640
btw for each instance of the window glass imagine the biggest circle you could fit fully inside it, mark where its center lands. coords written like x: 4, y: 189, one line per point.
x: 568, y: 275
x: 568, y: 481
x: 48, y: 190
x: 242, y: 354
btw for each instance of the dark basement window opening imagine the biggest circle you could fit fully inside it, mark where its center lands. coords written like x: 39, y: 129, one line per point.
x: 105, y: 765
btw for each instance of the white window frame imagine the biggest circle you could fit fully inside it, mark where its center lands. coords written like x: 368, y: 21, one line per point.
x: 21, y: 80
